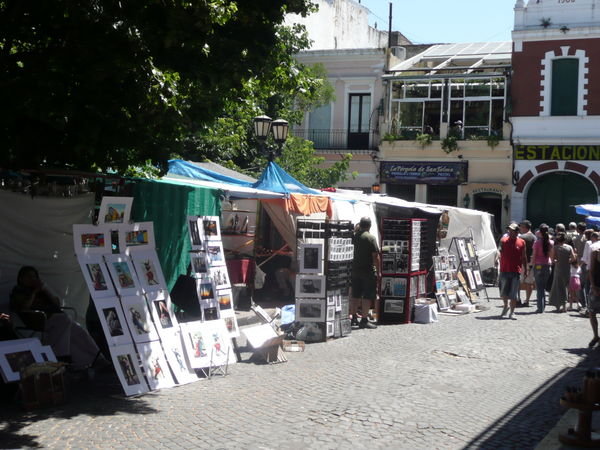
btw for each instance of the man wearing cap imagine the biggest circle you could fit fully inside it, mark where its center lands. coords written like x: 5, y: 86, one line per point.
x: 513, y: 261
x: 365, y: 271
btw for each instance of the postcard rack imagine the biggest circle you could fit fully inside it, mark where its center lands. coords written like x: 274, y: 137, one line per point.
x: 403, y: 275
x: 468, y: 264
x: 325, y: 254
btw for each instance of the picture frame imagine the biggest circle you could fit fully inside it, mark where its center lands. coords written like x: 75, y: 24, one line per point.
x: 225, y: 300
x: 92, y: 239
x: 148, y: 270
x: 463, y: 250
x: 47, y: 353
x: 211, y: 229
x: 207, y: 344
x: 478, y: 279
x: 215, y: 253
x: 311, y: 310
x: 123, y: 274
x: 393, y: 306
x: 393, y: 287
x: 231, y: 324
x: 330, y: 313
x: 463, y: 297
x: 16, y: 355
x: 471, y: 279
x: 310, y: 258
x: 471, y: 250
x: 241, y: 223
x: 125, y: 361
x: 115, y: 210
x: 330, y: 329
x: 206, y: 289
x: 177, y: 359
x: 155, y: 366
x: 139, y: 319
x: 138, y: 236
x: 195, y: 230
x: 210, y: 312
x: 161, y: 309
x: 338, y: 302
x: 96, y: 276
x: 113, y: 321
x: 220, y: 277
x: 310, y: 285
x: 199, y: 263
x: 442, y: 301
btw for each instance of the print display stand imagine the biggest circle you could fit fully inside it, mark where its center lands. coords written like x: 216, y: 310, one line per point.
x: 447, y: 287
x: 403, y: 275
x: 215, y: 369
x: 468, y: 264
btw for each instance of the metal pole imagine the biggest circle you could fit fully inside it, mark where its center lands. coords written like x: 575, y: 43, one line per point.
x: 390, y: 28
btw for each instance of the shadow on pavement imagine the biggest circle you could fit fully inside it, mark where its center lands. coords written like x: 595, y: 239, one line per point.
x: 533, y: 418
x: 102, y: 396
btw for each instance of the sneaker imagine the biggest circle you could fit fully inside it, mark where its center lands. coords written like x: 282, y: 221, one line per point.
x: 504, y: 311
x: 364, y: 323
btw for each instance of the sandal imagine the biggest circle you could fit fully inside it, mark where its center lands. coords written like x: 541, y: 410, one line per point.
x: 593, y: 342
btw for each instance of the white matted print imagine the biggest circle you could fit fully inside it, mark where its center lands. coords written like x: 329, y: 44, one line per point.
x: 311, y: 309
x: 113, y: 321
x: 231, y: 325
x: 478, y: 279
x: 176, y: 357
x: 206, y: 289
x: 471, y: 279
x: 391, y: 306
x: 16, y: 355
x: 91, y: 239
x: 225, y: 300
x: 310, y: 285
x: 155, y: 365
x: 196, y: 237
x: 162, y: 311
x: 210, y: 311
x: 115, y: 210
x: 211, y: 228
x: 220, y: 277
x: 123, y: 275
x: 136, y: 236
x: 330, y: 330
x: 126, y: 364
x: 139, y: 319
x: 96, y: 276
x: 238, y: 222
x: 393, y: 287
x: 310, y: 258
x: 199, y: 263
x: 207, y: 343
x: 215, y: 254
x: 148, y: 270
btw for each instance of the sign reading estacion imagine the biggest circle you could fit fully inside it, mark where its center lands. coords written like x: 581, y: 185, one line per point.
x: 557, y: 152
x: 424, y: 173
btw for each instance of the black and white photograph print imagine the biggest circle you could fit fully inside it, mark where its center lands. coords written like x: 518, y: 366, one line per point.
x: 199, y: 263
x: 195, y: 232
x: 393, y: 287
x: 310, y: 309
x: 211, y: 228
x: 471, y: 278
x: 442, y: 301
x: 393, y: 306
x: 310, y: 285
x: 478, y: 279
x: 462, y: 248
x: 220, y: 277
x: 214, y: 253
x: 311, y: 258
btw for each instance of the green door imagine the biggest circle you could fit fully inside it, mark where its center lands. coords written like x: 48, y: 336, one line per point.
x: 552, y: 197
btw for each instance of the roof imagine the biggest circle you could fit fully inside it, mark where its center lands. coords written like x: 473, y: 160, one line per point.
x: 448, y: 59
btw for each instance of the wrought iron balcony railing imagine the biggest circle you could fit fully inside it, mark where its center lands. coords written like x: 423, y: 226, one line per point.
x: 324, y: 139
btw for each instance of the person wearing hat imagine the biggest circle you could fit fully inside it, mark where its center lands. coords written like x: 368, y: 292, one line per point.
x: 513, y: 261
x: 365, y: 272
x: 529, y: 238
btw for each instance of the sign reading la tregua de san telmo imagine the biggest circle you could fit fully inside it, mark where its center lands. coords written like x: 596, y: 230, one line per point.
x: 557, y: 152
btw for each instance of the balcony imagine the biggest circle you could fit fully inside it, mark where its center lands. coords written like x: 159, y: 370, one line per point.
x: 327, y: 139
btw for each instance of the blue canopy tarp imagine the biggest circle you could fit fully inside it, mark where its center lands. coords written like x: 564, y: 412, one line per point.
x: 275, y: 179
x: 588, y: 210
x: 190, y: 170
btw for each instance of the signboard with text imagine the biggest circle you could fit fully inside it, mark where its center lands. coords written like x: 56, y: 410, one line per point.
x: 406, y: 172
x: 557, y: 152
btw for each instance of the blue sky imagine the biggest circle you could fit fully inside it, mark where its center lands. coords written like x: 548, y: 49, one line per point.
x: 433, y: 21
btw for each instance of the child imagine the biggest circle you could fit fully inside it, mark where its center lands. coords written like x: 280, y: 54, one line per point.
x: 574, y: 284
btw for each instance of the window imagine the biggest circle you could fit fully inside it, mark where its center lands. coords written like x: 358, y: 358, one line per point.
x: 403, y: 191
x: 565, y: 82
x: 416, y: 107
x: 442, y: 195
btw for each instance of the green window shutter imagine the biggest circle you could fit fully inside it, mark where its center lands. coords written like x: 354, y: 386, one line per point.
x: 565, y: 81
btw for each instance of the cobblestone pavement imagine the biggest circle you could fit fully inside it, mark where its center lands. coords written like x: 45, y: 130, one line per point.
x: 467, y: 381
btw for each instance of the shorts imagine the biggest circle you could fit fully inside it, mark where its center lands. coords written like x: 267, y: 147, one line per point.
x: 593, y: 305
x: 509, y: 285
x: 575, y: 284
x: 364, y: 286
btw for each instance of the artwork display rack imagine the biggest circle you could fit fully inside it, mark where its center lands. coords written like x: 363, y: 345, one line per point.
x: 403, y: 275
x: 325, y: 254
x: 448, y: 291
x: 468, y: 264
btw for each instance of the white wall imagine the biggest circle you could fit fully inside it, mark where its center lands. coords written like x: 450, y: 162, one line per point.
x: 556, y: 130
x: 570, y: 13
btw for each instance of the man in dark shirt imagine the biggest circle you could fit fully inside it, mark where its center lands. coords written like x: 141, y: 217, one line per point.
x: 365, y: 271
x: 529, y: 238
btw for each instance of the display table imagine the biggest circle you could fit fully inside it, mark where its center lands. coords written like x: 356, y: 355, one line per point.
x: 426, y: 313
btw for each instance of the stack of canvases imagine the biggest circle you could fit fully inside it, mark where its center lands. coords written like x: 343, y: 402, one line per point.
x: 322, y: 302
x: 130, y: 295
x: 214, y: 293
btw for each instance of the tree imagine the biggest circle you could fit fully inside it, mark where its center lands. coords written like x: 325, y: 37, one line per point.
x: 107, y: 84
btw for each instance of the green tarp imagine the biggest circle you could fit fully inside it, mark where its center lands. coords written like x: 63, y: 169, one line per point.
x: 168, y: 205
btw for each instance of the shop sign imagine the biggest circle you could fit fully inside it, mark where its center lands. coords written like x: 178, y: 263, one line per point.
x: 487, y: 191
x: 557, y: 152
x: 424, y: 173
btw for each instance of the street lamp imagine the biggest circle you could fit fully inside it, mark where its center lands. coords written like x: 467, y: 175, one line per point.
x: 263, y: 126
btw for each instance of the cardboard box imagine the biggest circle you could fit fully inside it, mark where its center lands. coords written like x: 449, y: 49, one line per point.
x: 293, y: 346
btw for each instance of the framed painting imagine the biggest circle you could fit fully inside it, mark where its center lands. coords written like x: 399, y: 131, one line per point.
x: 206, y: 289
x: 211, y: 229
x: 115, y: 210
x: 310, y: 310
x: 113, y: 321
x: 196, y: 236
x: 207, y: 344
x: 330, y: 313
x: 220, y: 277
x: 139, y: 319
x: 123, y: 275
x: 478, y: 279
x: 155, y: 366
x: 199, y: 263
x: 136, y: 236
x: 162, y: 311
x: 225, y: 300
x: 442, y: 301
x: 462, y: 248
x: 330, y: 329
x: 310, y: 258
x: 96, y: 276
x: 172, y: 345
x: 91, y: 239
x: 391, y: 306
x: 148, y: 270
x: 210, y: 312
x: 215, y: 254
x: 125, y: 360
x: 471, y: 278
x: 310, y: 285
x: 393, y: 287
x: 16, y: 355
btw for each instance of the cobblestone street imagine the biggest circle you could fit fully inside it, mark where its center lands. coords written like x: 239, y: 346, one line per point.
x: 466, y: 381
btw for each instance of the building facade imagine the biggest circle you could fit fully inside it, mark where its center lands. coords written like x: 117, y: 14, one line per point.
x: 556, y: 109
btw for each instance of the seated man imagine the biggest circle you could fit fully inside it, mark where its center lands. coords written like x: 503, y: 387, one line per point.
x: 65, y: 336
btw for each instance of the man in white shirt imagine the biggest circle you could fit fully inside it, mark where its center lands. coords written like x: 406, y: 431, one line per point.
x: 590, y: 245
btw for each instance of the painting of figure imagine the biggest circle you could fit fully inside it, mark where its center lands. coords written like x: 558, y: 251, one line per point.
x: 114, y: 324
x: 97, y: 277
x: 128, y: 369
x: 124, y: 275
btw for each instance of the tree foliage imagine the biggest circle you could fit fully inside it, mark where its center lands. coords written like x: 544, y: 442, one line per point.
x: 103, y: 84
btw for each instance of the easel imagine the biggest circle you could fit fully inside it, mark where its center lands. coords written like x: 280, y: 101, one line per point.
x: 472, y: 263
x: 216, y: 369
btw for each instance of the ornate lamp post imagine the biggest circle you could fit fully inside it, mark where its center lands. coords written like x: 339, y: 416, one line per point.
x: 263, y: 126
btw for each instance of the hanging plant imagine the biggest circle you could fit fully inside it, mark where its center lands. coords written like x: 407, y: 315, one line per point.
x: 424, y: 139
x: 545, y: 22
x: 450, y: 144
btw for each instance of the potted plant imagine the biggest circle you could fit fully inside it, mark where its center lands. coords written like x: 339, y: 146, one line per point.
x: 450, y: 144
x: 424, y: 139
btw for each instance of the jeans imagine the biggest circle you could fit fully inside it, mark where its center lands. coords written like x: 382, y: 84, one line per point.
x: 585, y: 286
x: 541, y: 274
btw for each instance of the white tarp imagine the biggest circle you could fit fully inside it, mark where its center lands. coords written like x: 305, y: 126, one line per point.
x: 39, y: 232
